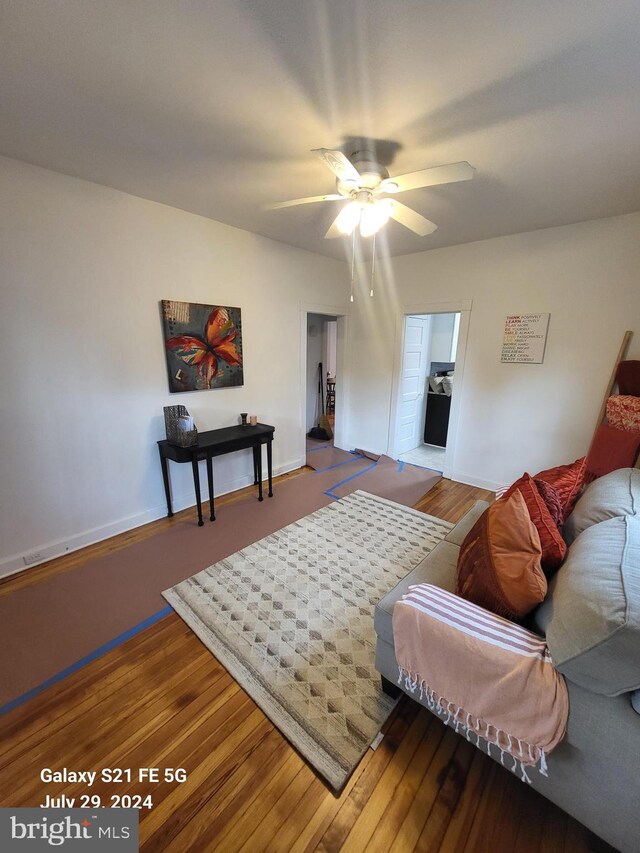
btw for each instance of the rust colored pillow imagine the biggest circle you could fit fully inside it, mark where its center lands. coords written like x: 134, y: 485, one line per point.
x: 611, y: 449
x: 499, y: 561
x: 552, y: 499
x: 567, y: 480
x: 553, y: 545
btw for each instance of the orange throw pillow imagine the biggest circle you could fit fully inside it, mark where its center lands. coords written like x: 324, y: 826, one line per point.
x: 567, y: 480
x: 553, y: 545
x: 499, y: 561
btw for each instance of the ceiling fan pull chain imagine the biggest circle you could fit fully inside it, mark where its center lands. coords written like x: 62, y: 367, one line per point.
x: 353, y: 261
x: 373, y: 262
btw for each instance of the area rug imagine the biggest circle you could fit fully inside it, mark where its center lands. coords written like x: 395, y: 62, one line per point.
x: 291, y: 618
x: 57, y: 623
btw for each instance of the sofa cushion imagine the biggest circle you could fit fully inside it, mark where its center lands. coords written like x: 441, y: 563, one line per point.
x: 591, y: 616
x: 438, y: 567
x: 499, y: 563
x: 551, y: 541
x: 615, y: 494
x: 567, y: 480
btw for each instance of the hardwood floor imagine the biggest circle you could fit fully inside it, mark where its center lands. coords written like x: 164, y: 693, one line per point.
x: 162, y: 700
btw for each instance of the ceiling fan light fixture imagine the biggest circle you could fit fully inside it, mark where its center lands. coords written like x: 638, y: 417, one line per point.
x: 374, y: 217
x: 348, y: 185
x: 389, y: 186
x: 360, y: 183
x: 349, y: 217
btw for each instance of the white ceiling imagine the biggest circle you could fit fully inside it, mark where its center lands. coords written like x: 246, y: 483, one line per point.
x: 213, y: 105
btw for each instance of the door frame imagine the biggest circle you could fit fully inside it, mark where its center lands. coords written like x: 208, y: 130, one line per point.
x: 462, y: 307
x: 339, y: 428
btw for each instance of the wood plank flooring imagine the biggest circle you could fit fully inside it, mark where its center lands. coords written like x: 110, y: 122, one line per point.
x: 162, y: 700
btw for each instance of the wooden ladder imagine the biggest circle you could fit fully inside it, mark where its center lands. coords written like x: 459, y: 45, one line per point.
x: 622, y: 353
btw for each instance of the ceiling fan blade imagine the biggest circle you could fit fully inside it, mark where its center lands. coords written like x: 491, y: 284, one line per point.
x: 308, y: 200
x: 341, y: 167
x: 410, y: 219
x: 431, y: 177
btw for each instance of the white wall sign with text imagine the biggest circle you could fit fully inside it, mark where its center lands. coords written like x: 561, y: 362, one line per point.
x: 525, y: 337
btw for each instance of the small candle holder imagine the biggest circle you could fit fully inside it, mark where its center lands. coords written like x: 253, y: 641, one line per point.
x: 243, y: 418
x: 253, y: 420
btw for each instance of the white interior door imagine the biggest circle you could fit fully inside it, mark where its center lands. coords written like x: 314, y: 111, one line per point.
x: 415, y: 361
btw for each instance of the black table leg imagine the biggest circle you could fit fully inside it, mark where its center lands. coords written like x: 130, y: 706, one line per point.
x: 259, y: 460
x: 196, y: 485
x: 165, y: 479
x: 270, y: 469
x: 255, y: 450
x: 212, y: 516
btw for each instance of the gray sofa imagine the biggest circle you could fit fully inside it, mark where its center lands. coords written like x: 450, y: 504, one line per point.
x: 591, y: 619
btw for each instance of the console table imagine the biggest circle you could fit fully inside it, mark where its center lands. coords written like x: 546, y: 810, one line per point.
x: 217, y: 442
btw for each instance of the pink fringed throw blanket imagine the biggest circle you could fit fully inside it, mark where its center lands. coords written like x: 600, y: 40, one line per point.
x: 486, y: 675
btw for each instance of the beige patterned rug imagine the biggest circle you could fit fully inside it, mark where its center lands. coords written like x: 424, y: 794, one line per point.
x: 291, y: 618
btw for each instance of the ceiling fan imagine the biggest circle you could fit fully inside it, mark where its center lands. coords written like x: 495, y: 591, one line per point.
x: 365, y: 185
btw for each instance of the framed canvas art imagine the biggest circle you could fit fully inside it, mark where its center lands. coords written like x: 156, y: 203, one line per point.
x: 203, y: 346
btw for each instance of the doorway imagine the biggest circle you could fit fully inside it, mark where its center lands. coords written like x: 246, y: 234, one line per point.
x: 321, y: 374
x: 425, y: 392
x: 328, y: 340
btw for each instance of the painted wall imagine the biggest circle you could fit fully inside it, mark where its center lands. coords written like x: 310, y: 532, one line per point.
x: 83, y: 369
x: 513, y: 417
x: 442, y: 329
x: 84, y: 381
x: 331, y: 331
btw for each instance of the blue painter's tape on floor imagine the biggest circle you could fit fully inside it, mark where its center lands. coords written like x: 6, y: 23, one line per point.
x: 329, y: 492
x: 335, y: 465
x: 117, y: 641
x: 400, y: 466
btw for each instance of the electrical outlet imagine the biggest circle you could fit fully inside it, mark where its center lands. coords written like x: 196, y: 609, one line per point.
x: 30, y: 559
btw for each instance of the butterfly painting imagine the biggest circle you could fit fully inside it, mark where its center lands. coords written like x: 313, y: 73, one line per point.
x: 203, y: 346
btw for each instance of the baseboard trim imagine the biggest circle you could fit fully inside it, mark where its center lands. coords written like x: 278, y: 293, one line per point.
x: 470, y: 480
x: 49, y: 551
